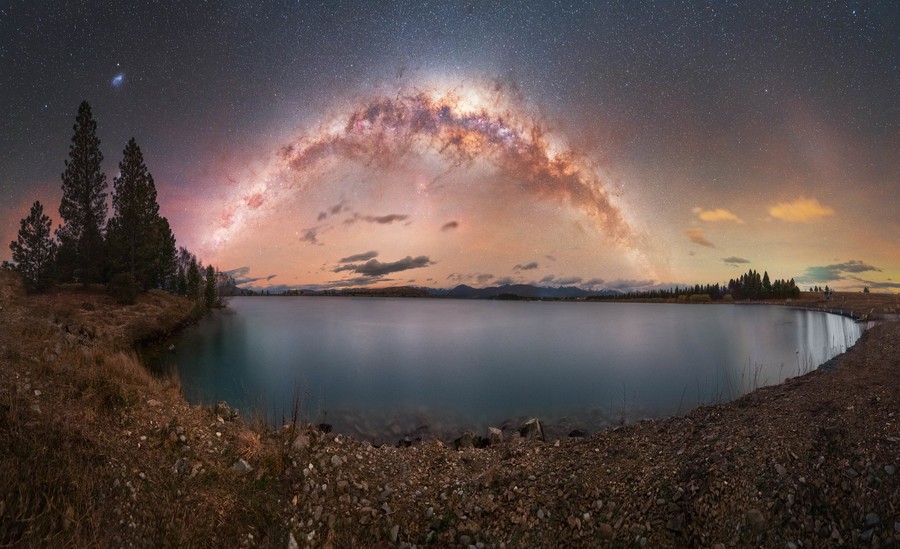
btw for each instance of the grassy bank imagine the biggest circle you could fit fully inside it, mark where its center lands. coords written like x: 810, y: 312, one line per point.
x: 96, y: 452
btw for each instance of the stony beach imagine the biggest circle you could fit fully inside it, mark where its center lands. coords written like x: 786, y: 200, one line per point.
x: 97, y: 452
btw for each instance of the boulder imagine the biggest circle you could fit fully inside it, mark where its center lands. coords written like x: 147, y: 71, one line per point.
x: 532, y: 429
x: 467, y: 440
x: 300, y: 443
x: 241, y: 466
x: 495, y: 435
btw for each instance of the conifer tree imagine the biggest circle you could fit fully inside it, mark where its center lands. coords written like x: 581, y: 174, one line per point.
x: 209, y: 292
x: 35, y: 251
x: 165, y: 275
x: 83, y: 205
x: 138, y: 240
x: 194, y: 279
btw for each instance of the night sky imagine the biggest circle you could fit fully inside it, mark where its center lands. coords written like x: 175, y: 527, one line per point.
x: 599, y: 144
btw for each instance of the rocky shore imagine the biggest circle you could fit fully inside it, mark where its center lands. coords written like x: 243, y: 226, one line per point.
x: 96, y: 452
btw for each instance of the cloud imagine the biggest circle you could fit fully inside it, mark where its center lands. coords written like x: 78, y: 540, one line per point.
x: 375, y: 268
x: 874, y: 284
x: 826, y: 273
x: 483, y: 277
x: 333, y: 210
x: 716, y: 215
x: 310, y: 235
x: 526, y: 267
x: 629, y: 284
x: 593, y: 283
x: 450, y: 225
x: 359, y: 257
x: 359, y: 281
x: 734, y: 260
x: 385, y: 219
x: 380, y: 219
x: 802, y: 210
x: 695, y: 234
x: 561, y: 281
x: 240, y: 276
x: 505, y: 281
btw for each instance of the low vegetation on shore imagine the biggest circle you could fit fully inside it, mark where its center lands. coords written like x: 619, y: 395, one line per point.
x: 97, y: 452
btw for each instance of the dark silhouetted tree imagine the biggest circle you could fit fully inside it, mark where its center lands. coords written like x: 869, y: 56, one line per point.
x: 209, y: 291
x: 194, y: 279
x: 165, y: 275
x: 34, y: 252
x: 139, y: 241
x: 83, y: 205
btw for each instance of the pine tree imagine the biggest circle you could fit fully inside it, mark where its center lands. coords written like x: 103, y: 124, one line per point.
x: 165, y: 275
x: 137, y: 240
x: 35, y: 251
x: 209, y: 292
x: 194, y: 279
x: 83, y: 205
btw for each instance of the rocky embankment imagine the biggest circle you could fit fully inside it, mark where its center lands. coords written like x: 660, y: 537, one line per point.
x: 96, y: 452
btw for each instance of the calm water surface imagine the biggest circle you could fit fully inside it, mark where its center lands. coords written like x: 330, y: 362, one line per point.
x: 384, y: 368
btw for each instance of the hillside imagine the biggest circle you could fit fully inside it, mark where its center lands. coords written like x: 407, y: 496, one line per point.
x: 96, y: 452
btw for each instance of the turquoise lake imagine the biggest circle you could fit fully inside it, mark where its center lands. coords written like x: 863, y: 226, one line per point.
x: 381, y: 369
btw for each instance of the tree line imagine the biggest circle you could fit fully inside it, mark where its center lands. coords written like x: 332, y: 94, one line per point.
x: 132, y: 251
x: 748, y: 286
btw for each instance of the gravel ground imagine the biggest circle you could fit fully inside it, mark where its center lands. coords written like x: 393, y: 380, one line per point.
x: 808, y: 463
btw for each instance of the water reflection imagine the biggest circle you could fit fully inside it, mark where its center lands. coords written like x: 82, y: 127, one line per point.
x: 383, y: 368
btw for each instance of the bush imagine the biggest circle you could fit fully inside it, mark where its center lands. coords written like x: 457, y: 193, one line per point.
x: 123, y: 288
x: 700, y: 298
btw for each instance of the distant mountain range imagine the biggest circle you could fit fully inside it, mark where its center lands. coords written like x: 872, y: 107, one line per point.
x: 523, y: 290
x: 507, y: 291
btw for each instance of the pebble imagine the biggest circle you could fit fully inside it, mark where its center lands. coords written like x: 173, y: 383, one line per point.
x: 336, y: 460
x: 241, y: 466
x: 780, y: 469
x: 872, y: 519
x: 292, y: 542
x: 756, y: 519
x: 395, y: 531
x: 606, y: 531
x: 890, y: 470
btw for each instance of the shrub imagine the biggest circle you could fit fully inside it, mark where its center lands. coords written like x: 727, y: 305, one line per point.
x: 700, y: 298
x: 123, y: 288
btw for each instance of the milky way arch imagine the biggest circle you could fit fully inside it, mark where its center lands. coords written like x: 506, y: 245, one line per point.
x: 461, y: 127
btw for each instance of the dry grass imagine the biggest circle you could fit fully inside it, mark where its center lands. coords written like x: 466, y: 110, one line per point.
x: 86, y: 459
x: 249, y: 445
